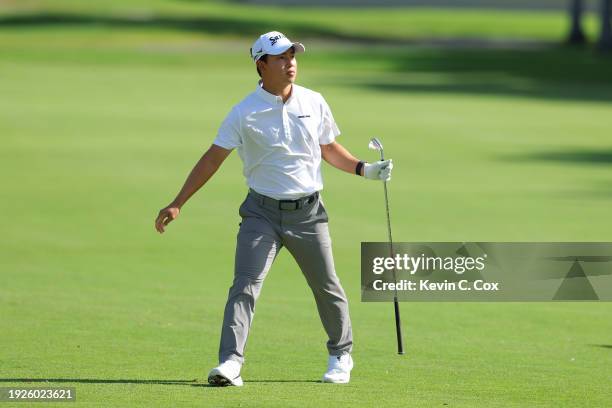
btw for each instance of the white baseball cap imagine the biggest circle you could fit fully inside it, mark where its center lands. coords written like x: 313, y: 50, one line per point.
x: 273, y: 43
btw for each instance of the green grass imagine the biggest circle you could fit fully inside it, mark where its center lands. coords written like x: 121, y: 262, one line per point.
x: 229, y: 18
x: 99, y: 128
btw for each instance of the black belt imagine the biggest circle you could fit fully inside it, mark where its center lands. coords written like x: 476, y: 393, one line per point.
x: 290, y: 205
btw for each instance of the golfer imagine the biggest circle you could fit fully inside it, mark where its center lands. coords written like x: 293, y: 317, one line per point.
x: 281, y: 132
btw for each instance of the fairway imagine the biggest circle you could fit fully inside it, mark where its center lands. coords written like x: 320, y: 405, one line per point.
x: 101, y: 122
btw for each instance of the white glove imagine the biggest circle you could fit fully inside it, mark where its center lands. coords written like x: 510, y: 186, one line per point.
x: 381, y: 170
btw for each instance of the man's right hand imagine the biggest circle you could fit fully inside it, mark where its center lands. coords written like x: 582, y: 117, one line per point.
x: 166, y: 216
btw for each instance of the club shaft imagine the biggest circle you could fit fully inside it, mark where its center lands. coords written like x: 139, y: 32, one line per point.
x: 398, y: 327
x: 398, y: 323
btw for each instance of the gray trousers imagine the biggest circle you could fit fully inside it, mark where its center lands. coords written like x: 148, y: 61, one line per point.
x: 264, y: 230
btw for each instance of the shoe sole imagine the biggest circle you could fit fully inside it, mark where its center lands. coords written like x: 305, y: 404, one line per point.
x: 219, y: 381
x: 216, y: 379
x: 324, y: 381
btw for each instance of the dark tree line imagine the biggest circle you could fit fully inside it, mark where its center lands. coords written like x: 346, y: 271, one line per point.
x: 576, y: 34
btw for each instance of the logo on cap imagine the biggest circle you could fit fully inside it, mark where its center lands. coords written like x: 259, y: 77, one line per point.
x: 274, y: 39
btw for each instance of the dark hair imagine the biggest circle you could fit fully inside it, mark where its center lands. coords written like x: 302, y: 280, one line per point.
x: 263, y: 58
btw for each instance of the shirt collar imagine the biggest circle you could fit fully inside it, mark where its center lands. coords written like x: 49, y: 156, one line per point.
x: 273, y: 99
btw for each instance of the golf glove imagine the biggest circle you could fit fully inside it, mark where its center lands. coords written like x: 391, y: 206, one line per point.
x: 380, y: 170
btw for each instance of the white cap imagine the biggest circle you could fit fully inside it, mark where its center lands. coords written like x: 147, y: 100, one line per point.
x: 273, y: 43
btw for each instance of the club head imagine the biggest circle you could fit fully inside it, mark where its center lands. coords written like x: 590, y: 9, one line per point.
x: 375, y: 144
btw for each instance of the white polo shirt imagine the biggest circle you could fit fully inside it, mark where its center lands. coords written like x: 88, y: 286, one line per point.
x: 279, y: 142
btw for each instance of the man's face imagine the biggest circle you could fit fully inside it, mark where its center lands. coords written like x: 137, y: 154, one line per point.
x: 279, y: 68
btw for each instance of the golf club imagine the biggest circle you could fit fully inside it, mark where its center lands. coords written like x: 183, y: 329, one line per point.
x: 376, y: 144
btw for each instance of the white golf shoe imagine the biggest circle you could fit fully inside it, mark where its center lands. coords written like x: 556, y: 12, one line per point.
x: 227, y: 373
x: 338, y: 369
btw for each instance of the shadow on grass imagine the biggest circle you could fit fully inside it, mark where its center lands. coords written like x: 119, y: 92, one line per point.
x: 192, y: 383
x: 551, y: 72
x: 548, y: 63
x: 606, y: 346
x: 463, y: 86
x: 461, y: 66
x: 448, y: 4
x: 589, y: 157
x: 282, y: 381
x: 204, y: 24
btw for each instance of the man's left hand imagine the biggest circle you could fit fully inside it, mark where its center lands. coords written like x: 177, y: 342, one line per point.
x: 381, y: 170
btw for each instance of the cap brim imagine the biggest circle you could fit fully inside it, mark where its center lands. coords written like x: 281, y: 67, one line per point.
x: 298, y: 47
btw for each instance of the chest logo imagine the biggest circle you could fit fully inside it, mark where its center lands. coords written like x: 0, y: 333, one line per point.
x: 303, y: 116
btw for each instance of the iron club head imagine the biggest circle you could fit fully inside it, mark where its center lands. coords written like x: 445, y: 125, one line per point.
x: 376, y: 144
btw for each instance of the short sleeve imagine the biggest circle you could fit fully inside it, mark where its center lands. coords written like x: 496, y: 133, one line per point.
x: 228, y: 136
x: 329, y: 129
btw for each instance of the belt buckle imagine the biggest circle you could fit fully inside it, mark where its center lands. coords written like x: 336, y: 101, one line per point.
x: 288, y: 205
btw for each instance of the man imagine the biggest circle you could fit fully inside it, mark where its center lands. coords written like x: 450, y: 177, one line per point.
x: 281, y: 132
